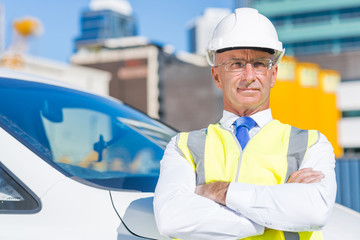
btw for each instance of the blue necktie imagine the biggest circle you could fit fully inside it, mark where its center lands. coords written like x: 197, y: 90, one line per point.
x: 243, y: 125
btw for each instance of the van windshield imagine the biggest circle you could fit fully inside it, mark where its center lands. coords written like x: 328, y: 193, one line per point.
x: 95, y: 140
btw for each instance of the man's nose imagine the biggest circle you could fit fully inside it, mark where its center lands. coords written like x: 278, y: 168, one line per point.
x: 249, y: 73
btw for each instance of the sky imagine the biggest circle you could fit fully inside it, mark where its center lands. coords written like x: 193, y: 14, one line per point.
x: 162, y: 21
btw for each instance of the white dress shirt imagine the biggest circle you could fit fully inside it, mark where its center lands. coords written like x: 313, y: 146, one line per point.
x: 181, y: 213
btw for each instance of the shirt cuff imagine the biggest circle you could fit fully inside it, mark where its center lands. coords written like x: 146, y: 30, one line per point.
x: 239, y: 197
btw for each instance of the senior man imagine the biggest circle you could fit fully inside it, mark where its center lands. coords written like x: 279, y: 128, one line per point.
x: 247, y: 176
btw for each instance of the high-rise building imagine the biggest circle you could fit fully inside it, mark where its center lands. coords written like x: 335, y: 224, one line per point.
x: 106, y: 19
x: 200, y: 29
x: 326, y: 31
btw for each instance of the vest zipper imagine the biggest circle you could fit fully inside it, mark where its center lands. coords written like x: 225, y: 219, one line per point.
x: 241, y: 155
x: 241, y: 152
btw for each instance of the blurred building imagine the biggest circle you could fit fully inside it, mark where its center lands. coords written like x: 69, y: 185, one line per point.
x: 93, y: 80
x: 325, y: 32
x: 200, y: 29
x: 106, y: 19
x: 146, y: 75
x: 156, y: 80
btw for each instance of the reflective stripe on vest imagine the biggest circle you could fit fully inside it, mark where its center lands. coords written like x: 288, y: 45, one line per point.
x: 203, y: 149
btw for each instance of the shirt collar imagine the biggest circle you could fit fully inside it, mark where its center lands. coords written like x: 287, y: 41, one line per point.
x: 261, y: 118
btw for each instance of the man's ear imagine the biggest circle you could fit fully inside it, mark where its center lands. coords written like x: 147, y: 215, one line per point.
x: 215, y: 75
x: 274, y: 75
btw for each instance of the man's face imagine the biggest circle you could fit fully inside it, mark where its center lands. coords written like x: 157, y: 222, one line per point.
x: 247, y: 92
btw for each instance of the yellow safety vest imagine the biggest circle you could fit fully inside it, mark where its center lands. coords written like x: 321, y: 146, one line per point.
x: 269, y: 158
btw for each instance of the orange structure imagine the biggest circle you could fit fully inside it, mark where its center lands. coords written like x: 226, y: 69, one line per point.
x: 329, y: 114
x: 282, y: 99
x: 306, y: 96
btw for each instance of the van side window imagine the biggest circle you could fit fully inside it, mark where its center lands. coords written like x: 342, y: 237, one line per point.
x: 15, y: 197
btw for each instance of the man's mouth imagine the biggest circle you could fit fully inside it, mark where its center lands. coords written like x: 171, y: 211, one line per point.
x: 247, y: 89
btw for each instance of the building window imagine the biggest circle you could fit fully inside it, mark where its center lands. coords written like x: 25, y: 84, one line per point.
x: 349, y: 13
x: 350, y: 43
x: 324, y: 46
x: 311, y: 18
x: 278, y: 21
x: 307, y: 48
x: 317, y: 17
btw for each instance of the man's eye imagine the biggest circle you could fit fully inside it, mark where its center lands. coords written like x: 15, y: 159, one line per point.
x: 237, y: 64
x: 260, y: 64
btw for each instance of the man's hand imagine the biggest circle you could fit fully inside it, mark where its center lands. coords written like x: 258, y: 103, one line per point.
x: 215, y: 191
x: 306, y: 175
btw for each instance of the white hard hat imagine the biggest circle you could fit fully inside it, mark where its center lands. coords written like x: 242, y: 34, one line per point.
x: 245, y: 28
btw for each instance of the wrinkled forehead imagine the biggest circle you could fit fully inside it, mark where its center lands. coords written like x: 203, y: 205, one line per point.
x: 246, y: 54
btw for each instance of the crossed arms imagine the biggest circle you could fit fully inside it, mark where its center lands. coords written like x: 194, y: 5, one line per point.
x: 237, y: 210
x: 216, y: 191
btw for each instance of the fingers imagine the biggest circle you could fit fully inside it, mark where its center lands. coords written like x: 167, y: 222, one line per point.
x: 306, y: 175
